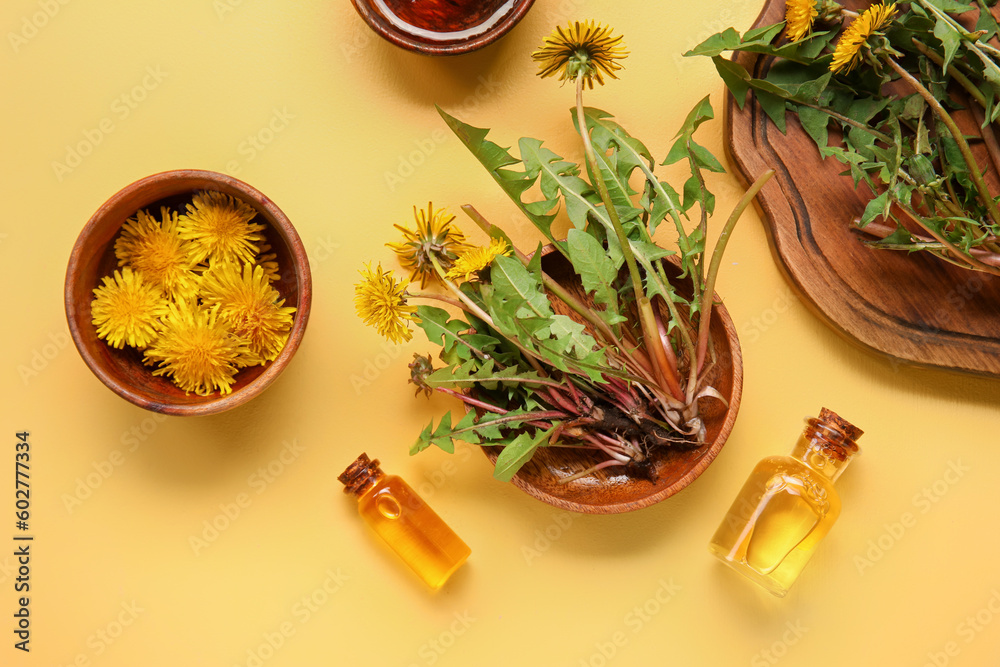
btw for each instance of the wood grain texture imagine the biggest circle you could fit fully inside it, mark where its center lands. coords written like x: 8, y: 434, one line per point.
x: 913, y: 308
x: 611, y: 490
x: 93, y: 257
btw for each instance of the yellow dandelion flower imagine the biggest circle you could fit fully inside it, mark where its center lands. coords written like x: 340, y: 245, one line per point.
x: 126, y: 309
x: 250, y: 305
x: 198, y: 350
x: 580, y: 49
x: 847, y: 53
x: 219, y: 227
x: 268, y: 260
x: 380, y: 302
x: 468, y: 265
x: 434, y: 238
x: 154, y: 249
x: 799, y: 17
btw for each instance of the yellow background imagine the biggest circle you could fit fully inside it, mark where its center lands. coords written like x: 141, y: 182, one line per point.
x: 359, y: 144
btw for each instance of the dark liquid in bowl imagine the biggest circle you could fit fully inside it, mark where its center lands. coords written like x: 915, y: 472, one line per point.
x: 448, y: 15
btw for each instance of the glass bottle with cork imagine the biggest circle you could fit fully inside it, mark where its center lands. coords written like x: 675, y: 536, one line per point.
x: 787, y: 505
x: 405, y: 522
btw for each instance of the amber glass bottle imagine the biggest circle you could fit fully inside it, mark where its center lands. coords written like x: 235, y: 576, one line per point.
x: 405, y: 522
x: 787, y: 505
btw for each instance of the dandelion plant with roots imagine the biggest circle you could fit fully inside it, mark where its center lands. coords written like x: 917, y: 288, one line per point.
x: 880, y: 91
x: 624, y: 370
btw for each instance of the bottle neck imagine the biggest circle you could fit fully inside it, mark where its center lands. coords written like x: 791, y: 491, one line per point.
x: 361, y: 475
x: 825, y: 448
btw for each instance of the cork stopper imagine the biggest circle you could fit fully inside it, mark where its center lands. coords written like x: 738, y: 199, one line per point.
x: 360, y: 475
x: 850, y: 431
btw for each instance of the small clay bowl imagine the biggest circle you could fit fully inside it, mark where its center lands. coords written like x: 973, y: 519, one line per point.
x: 93, y: 257
x: 442, y: 27
x: 611, y: 490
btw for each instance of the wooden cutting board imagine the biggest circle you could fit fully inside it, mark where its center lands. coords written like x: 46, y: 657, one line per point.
x: 914, y: 308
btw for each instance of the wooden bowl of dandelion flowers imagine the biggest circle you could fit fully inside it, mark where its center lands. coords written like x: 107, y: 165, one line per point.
x: 188, y: 292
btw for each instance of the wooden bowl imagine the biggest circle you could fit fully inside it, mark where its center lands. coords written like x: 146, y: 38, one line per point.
x: 93, y: 257
x: 442, y: 27
x: 611, y: 491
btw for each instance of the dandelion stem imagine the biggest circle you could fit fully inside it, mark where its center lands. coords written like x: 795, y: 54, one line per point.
x: 668, y: 349
x: 590, y: 470
x: 963, y: 80
x: 849, y: 121
x: 956, y: 133
x: 439, y: 297
x: 559, y: 400
x: 525, y: 417
x: 664, y: 287
x: 472, y: 401
x: 698, y: 281
x: 562, y: 293
x: 573, y: 392
x: 954, y: 250
x: 972, y: 38
x: 474, y: 309
x: 461, y: 306
x: 602, y: 189
x: 989, y: 137
x: 882, y: 231
x: 713, y: 269
x: 650, y: 337
x: 614, y: 452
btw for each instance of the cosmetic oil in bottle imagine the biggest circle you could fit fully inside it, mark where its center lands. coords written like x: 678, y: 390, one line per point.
x: 401, y: 518
x: 787, y: 505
